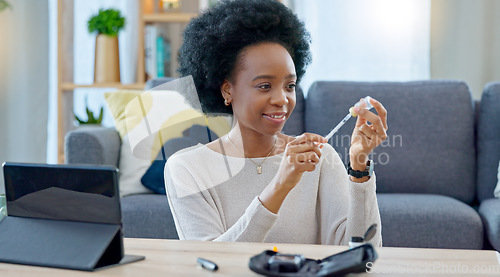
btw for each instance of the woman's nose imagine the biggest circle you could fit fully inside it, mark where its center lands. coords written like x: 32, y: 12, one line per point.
x: 279, y: 98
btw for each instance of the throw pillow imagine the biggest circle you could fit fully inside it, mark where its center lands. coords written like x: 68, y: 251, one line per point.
x: 131, y: 168
x: 117, y: 102
x: 145, y: 126
x: 154, y: 178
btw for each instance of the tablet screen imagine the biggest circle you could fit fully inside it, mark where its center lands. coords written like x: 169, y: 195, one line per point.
x: 63, y: 192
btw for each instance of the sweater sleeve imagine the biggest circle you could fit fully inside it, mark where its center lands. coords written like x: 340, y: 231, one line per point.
x: 346, y: 208
x: 196, y: 215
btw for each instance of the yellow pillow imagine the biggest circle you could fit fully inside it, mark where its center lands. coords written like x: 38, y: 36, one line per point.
x: 117, y: 102
x: 126, y: 117
x: 146, y: 120
x: 158, y: 116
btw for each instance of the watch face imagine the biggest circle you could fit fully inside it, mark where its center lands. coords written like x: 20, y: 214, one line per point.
x: 370, y: 167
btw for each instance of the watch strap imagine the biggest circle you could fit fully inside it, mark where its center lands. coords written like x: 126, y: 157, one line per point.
x: 360, y: 174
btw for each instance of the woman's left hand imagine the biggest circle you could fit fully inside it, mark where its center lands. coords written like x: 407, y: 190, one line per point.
x: 365, y: 136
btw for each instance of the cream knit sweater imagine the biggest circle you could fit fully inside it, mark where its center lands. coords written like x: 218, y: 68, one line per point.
x: 215, y: 197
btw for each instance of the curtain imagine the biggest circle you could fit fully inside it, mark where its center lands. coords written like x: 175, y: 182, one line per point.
x: 465, y: 39
x: 367, y: 40
x: 24, y: 87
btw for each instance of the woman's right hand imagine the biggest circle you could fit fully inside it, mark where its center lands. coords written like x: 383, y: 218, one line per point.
x: 301, y: 154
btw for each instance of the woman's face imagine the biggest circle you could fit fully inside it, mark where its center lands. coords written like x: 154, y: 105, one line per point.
x: 262, y: 90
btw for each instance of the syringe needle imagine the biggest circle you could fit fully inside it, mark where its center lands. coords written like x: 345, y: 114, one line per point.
x: 341, y: 123
x: 363, y: 103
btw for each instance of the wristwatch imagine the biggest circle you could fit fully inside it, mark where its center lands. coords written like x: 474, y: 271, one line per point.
x: 360, y: 174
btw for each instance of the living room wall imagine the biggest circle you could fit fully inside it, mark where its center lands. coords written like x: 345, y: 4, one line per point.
x: 465, y: 39
x: 24, y: 87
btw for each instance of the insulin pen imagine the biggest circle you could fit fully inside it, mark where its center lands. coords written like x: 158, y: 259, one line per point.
x: 363, y: 103
x: 206, y: 264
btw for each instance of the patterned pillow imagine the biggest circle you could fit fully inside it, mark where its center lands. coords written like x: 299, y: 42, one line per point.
x: 147, y: 120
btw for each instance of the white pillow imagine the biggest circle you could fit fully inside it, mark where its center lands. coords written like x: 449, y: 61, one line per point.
x: 131, y: 171
x: 497, y: 189
x: 131, y: 168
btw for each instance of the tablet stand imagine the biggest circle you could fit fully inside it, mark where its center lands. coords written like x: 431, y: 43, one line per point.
x: 62, y: 244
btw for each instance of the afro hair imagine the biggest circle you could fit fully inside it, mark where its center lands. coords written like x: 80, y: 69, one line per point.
x: 214, y: 40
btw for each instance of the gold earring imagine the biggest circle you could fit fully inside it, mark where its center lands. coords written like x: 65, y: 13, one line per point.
x: 225, y: 102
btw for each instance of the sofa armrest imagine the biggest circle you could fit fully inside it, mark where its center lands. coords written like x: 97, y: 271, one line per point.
x: 92, y: 145
x: 490, y: 214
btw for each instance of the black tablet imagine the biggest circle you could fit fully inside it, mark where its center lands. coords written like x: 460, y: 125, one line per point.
x: 85, y: 193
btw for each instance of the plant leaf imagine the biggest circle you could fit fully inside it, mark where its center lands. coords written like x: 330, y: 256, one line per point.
x: 101, y: 115
x: 90, y: 115
x: 108, y: 22
x: 79, y: 120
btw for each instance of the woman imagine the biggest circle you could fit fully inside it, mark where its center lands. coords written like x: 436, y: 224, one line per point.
x: 255, y: 183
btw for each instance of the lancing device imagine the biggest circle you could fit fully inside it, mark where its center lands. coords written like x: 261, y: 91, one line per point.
x: 206, y: 264
x: 363, y: 104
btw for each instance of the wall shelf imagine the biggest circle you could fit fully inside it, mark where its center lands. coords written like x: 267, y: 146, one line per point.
x: 168, y: 17
x: 147, y: 14
x: 71, y: 86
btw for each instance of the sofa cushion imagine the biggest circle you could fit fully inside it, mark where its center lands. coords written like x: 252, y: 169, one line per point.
x: 429, y: 221
x: 488, y: 141
x: 147, y: 216
x: 490, y: 213
x: 430, y: 146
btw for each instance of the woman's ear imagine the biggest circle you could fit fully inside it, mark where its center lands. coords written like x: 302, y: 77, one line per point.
x: 226, y: 91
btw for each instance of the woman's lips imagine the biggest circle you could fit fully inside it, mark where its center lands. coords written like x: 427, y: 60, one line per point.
x: 276, y: 118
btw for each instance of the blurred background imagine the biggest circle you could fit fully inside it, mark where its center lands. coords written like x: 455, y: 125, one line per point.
x: 47, y: 54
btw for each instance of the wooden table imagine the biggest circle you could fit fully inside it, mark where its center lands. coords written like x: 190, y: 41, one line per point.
x: 178, y: 258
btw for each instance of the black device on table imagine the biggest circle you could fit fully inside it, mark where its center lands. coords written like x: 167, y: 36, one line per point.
x: 286, y: 262
x: 65, y: 216
x: 356, y: 260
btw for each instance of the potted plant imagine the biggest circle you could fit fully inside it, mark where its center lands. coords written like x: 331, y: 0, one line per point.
x: 106, y: 24
x: 91, y: 119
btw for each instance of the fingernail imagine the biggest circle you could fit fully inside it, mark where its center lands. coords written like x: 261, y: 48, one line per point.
x: 356, y: 109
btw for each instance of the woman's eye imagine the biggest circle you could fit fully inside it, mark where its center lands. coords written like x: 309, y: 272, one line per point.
x: 291, y: 86
x: 264, y: 86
